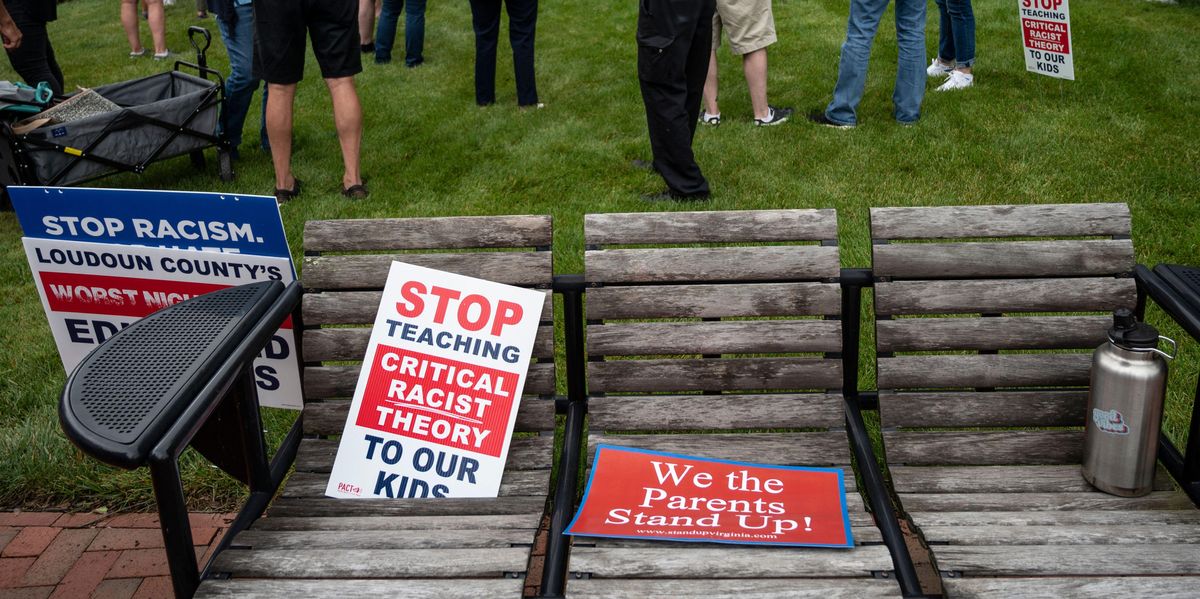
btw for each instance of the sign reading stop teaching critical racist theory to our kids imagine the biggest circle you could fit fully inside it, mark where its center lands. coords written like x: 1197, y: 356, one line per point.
x: 440, y: 385
x: 1046, y: 31
x: 641, y: 494
x: 103, y: 258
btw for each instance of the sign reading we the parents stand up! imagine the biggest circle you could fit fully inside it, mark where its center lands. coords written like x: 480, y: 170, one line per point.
x: 438, y: 393
x: 635, y: 493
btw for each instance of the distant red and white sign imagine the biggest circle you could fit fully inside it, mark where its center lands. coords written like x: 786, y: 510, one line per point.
x: 636, y: 493
x: 1046, y: 35
x: 438, y: 393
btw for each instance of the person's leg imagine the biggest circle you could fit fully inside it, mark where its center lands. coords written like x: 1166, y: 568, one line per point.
x: 945, y: 54
x: 414, y: 32
x: 279, y: 130
x: 201, y: 8
x: 754, y: 66
x: 347, y: 118
x: 910, y: 64
x: 30, y: 59
x: 696, y: 68
x: 852, y: 67
x: 964, y: 33
x: 241, y: 83
x: 710, y: 85
x: 385, y: 30
x: 522, y: 25
x: 366, y: 14
x: 129, y: 20
x: 158, y: 25
x: 485, y: 19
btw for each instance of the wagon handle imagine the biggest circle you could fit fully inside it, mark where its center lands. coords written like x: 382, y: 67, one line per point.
x: 201, y: 52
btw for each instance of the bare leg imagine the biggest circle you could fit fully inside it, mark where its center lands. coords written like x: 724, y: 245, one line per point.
x: 279, y: 131
x: 129, y: 20
x: 754, y: 65
x: 366, y: 21
x: 710, y: 86
x: 966, y: 70
x: 158, y: 25
x: 347, y: 118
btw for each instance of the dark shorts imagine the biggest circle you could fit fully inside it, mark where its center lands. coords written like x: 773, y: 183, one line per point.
x: 280, y: 27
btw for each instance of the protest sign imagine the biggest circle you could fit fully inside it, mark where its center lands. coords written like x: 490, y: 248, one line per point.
x: 641, y: 494
x: 102, y: 258
x: 90, y: 291
x: 1046, y: 34
x: 439, y: 389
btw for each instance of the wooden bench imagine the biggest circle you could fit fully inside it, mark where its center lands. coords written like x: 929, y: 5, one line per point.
x: 701, y: 348
x: 313, y: 546
x: 984, y: 352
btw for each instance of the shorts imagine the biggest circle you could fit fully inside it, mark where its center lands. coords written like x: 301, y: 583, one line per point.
x: 279, y: 38
x: 750, y: 24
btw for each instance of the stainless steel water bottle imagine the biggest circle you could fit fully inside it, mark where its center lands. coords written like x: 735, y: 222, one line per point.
x: 1125, y: 406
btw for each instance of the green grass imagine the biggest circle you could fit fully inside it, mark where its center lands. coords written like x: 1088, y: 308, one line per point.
x: 1124, y: 131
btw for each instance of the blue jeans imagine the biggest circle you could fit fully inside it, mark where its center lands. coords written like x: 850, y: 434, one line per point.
x: 241, y: 83
x: 414, y: 31
x: 910, y: 70
x: 956, y: 42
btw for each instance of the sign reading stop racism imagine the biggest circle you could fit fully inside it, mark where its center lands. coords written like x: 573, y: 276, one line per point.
x: 1046, y: 35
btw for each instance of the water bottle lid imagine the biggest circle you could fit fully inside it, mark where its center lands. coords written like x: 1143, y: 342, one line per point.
x: 1128, y: 333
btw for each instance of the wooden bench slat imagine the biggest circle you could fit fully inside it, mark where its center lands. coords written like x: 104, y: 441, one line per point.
x: 1073, y: 258
x: 1080, y: 534
x: 513, y: 483
x: 393, y: 508
x: 345, y: 345
x: 1024, y: 332
x: 1013, y: 295
x: 328, y: 417
x: 987, y: 370
x: 325, y: 382
x: 990, y: 408
x: 786, y: 449
x: 382, y: 539
x: 1037, y: 220
x: 764, y: 263
x: 1001, y: 479
x: 457, y: 522
x: 736, y: 337
x: 1188, y: 516
x: 767, y: 588
x: 740, y: 374
x: 716, y: 412
x: 1004, y: 502
x: 727, y: 226
x: 443, y: 232
x: 360, y: 307
x: 715, y: 301
x: 524, y: 453
x: 248, y: 588
x: 984, y: 448
x: 381, y: 563
x: 370, y: 271
x: 1161, y: 587
x: 1070, y: 560
x: 729, y: 562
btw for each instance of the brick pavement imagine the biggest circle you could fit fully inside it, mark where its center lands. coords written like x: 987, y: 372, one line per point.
x: 119, y: 556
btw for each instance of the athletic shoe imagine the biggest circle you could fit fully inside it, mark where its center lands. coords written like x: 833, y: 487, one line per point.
x: 712, y: 120
x: 671, y: 196
x: 938, y: 69
x: 162, y: 56
x: 957, y: 80
x: 138, y: 54
x: 818, y: 117
x: 775, y: 116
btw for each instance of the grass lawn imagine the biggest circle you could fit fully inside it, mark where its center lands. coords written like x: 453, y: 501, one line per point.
x: 1126, y: 130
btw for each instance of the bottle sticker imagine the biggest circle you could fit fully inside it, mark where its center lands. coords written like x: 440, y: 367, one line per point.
x: 1110, y: 421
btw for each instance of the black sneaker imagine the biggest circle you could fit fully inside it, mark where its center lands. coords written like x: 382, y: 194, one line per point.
x: 776, y: 116
x: 671, y: 196
x: 818, y: 117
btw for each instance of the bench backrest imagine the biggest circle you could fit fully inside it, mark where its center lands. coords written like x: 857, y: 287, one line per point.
x: 975, y: 330
x: 346, y: 264
x: 712, y: 321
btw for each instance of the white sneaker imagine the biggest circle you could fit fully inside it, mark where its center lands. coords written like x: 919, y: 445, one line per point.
x: 957, y: 80
x: 938, y: 69
x: 712, y: 120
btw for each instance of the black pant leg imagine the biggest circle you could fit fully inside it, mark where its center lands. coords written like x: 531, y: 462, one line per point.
x: 522, y: 23
x: 696, y: 69
x: 31, y: 60
x: 485, y: 18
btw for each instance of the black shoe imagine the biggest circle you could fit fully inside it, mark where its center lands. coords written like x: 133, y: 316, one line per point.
x: 367, y: 48
x: 356, y: 192
x: 286, y: 195
x: 776, y: 116
x: 671, y: 196
x: 818, y: 117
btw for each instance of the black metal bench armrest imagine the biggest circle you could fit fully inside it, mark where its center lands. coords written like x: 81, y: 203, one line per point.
x: 159, y: 378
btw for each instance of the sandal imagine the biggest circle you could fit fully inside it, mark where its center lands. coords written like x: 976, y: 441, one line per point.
x: 356, y: 192
x: 286, y: 195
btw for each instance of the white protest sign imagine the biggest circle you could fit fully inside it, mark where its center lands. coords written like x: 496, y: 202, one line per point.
x: 441, y: 381
x: 1046, y: 35
x: 90, y: 291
